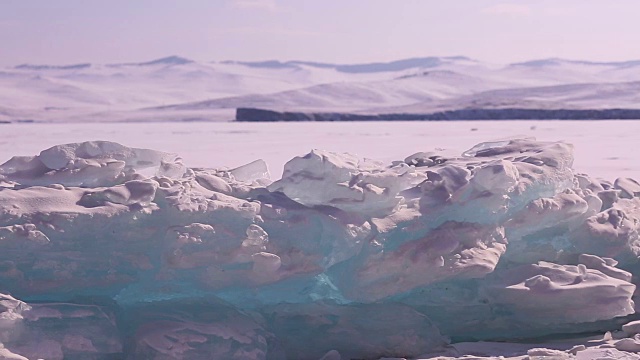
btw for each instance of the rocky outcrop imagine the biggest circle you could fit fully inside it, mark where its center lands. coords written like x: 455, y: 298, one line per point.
x: 263, y: 115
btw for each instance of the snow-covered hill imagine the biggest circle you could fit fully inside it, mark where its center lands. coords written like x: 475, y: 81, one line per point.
x: 180, y: 89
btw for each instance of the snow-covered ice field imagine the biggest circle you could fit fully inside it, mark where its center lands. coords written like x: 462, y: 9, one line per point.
x: 503, y: 242
x: 602, y: 148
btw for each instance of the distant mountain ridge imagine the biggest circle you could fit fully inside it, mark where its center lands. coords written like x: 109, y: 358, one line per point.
x: 396, y: 65
x: 176, y: 88
x: 560, y: 61
x: 169, y: 60
x: 372, y: 67
x: 53, y: 67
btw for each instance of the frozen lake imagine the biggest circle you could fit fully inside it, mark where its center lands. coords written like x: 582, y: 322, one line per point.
x: 602, y: 148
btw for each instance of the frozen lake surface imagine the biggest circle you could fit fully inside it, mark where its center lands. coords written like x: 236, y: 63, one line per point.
x: 602, y: 148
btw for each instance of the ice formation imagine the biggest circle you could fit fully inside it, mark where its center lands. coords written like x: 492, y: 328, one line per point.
x: 116, y: 252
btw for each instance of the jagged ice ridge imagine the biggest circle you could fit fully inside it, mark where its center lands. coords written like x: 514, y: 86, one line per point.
x: 117, y: 252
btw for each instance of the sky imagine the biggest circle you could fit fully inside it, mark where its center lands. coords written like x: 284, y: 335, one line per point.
x: 340, y: 31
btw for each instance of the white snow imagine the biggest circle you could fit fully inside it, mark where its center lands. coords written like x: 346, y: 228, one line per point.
x: 177, y: 89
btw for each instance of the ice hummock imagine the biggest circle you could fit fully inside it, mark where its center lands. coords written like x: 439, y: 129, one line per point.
x: 122, y: 252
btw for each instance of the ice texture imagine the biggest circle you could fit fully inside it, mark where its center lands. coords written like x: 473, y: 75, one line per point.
x: 57, y: 331
x: 117, y: 252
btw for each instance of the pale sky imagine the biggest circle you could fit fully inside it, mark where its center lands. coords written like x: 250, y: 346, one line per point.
x: 344, y: 31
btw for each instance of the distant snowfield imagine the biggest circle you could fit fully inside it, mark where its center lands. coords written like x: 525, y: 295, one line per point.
x: 602, y: 148
x: 176, y: 89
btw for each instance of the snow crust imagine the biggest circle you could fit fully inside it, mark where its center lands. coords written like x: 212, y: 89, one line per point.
x: 124, y: 252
